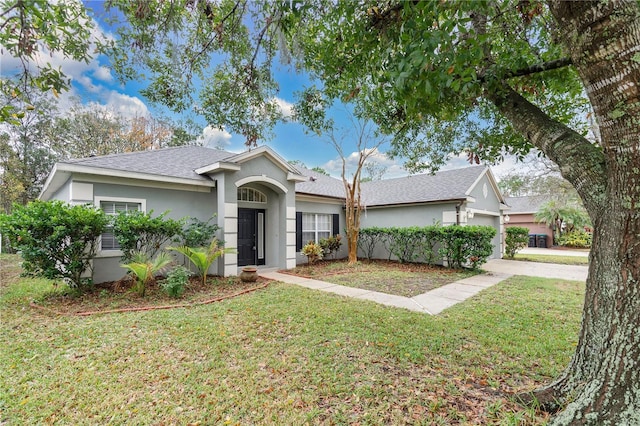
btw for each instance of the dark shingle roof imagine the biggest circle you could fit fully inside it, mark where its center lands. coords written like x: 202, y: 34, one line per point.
x: 444, y: 185
x: 526, y: 204
x: 179, y: 162
x: 319, y: 184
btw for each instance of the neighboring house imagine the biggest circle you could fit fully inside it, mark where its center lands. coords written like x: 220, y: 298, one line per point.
x: 266, y: 207
x: 523, y: 211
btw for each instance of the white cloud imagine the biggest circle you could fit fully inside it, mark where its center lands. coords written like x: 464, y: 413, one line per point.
x: 125, y: 105
x: 286, y: 108
x: 103, y: 74
x: 215, y: 138
x: 393, y: 167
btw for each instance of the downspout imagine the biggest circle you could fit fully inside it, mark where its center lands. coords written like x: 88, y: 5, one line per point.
x: 458, y: 212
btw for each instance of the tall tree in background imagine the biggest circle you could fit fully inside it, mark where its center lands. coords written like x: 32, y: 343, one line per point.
x: 26, y: 150
x: 89, y: 130
x: 86, y: 130
x: 31, y: 143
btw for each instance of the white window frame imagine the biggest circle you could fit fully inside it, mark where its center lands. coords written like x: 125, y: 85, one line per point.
x: 315, y: 231
x: 97, y: 201
x: 257, y: 195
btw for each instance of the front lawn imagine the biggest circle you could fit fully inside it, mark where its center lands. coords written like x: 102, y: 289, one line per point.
x: 286, y: 355
x: 402, y: 279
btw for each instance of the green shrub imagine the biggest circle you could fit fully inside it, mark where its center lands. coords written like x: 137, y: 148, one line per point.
x: 431, y: 236
x: 145, y: 268
x: 462, y: 245
x: 517, y: 238
x: 313, y: 252
x: 198, y: 233
x: 139, y: 232
x: 404, y: 242
x: 203, y: 257
x: 176, y: 281
x: 369, y: 238
x: 575, y: 239
x: 331, y: 245
x: 56, y: 240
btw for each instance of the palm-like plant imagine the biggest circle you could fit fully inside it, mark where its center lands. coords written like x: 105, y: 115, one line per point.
x: 203, y: 257
x: 555, y: 214
x: 145, y: 269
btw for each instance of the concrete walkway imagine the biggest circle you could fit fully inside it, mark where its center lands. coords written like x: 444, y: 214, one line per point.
x: 432, y: 302
x: 435, y: 301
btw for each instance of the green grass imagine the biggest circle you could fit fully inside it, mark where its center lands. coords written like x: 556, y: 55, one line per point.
x: 286, y: 355
x: 402, y: 279
x: 562, y: 260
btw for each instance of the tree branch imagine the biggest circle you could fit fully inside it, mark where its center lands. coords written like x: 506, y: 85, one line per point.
x: 581, y: 162
x: 545, y: 66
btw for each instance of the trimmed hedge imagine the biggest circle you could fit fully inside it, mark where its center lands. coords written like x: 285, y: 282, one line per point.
x: 459, y: 245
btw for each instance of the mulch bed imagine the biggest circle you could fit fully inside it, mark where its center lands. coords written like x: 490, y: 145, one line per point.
x: 118, y: 296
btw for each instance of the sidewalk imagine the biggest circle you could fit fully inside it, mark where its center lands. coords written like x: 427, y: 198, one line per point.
x: 432, y: 302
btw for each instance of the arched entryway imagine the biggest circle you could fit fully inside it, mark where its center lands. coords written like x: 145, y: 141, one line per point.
x: 251, y: 226
x: 262, y: 221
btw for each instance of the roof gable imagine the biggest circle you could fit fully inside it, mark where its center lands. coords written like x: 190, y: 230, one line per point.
x: 235, y: 161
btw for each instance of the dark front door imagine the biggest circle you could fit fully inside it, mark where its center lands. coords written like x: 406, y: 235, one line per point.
x: 250, y: 237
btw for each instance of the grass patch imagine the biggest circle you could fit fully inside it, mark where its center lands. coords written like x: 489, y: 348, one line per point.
x: 545, y: 258
x: 402, y: 279
x: 287, y: 355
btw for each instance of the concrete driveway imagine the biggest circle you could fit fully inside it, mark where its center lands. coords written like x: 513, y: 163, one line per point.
x: 554, y: 252
x: 535, y: 269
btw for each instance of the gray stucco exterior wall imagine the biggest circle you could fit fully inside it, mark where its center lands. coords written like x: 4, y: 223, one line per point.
x: 415, y: 215
x: 178, y: 203
x: 63, y: 193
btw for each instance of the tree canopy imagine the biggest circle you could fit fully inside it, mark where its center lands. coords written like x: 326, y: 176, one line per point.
x: 485, y: 78
x: 31, y: 32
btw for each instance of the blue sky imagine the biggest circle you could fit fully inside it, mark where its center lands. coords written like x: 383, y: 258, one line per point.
x: 95, y: 84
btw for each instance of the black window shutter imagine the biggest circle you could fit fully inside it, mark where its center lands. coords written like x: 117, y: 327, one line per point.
x: 336, y: 224
x: 298, y: 231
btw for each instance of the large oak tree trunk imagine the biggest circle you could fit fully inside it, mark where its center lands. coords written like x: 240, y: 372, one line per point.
x: 602, y: 383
